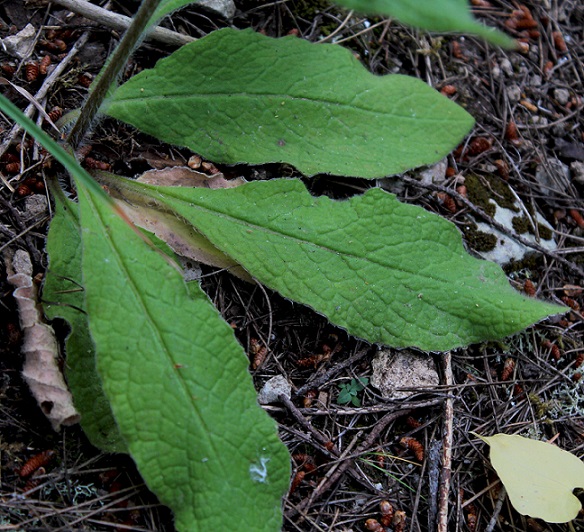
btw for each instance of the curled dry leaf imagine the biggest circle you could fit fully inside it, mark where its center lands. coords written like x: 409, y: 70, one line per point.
x: 39, y: 347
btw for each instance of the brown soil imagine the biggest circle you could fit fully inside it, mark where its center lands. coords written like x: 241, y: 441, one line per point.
x: 528, y: 139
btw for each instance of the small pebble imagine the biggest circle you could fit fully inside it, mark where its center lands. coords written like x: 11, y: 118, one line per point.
x: 514, y: 93
x: 273, y: 388
x: 562, y: 96
x: 507, y: 67
x: 577, y: 171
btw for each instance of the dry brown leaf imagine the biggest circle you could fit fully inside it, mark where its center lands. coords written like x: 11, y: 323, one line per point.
x: 182, y: 176
x: 181, y: 237
x: 159, y: 161
x: 39, y: 347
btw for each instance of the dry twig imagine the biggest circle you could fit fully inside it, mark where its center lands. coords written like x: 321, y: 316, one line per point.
x: 447, y: 435
x: 121, y: 22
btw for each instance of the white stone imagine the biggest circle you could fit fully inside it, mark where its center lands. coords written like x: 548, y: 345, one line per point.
x: 225, y: 8
x: 507, y: 67
x: 393, y: 370
x: 435, y: 173
x: 508, y: 249
x: 562, y: 96
x: 273, y: 388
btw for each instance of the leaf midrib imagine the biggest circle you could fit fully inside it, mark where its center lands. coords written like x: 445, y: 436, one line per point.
x: 309, y: 101
x: 243, y: 222
x: 163, y: 343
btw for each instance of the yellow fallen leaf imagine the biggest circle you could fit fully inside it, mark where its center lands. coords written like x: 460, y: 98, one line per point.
x: 539, y: 477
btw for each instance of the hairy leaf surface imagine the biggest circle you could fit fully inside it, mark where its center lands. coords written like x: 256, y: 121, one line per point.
x: 433, y: 15
x: 386, y: 271
x: 64, y: 297
x: 175, y: 376
x: 539, y: 477
x: 238, y: 96
x: 178, y: 384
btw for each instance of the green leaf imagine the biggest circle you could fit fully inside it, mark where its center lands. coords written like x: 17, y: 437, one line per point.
x: 178, y: 384
x: 175, y: 376
x: 539, y: 477
x: 433, y: 15
x: 238, y: 96
x: 344, y: 397
x: 64, y: 297
x: 386, y: 271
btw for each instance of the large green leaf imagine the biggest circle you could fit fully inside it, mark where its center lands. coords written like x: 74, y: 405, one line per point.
x: 175, y: 376
x: 178, y: 384
x: 433, y: 15
x: 64, y: 297
x: 238, y: 96
x: 386, y: 271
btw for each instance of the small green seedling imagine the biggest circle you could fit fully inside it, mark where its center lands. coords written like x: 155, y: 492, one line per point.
x: 348, y: 391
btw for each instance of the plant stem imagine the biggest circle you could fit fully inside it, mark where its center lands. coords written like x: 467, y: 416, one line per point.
x: 113, y: 67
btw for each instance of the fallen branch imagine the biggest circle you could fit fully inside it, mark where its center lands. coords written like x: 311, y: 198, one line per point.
x: 121, y: 22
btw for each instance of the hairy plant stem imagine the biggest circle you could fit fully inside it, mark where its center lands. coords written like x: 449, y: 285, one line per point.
x: 111, y: 71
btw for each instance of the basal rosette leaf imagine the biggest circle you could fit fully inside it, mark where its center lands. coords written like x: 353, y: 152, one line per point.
x: 64, y: 297
x: 386, y: 271
x: 433, y: 15
x: 238, y: 96
x: 173, y: 372
x: 178, y: 384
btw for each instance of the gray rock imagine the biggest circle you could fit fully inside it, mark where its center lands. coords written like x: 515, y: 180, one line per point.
x: 273, y: 388
x: 514, y: 93
x: 35, y: 206
x: 562, y: 96
x: 577, y: 171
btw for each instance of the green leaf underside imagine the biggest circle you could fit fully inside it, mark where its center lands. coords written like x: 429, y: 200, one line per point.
x: 178, y: 384
x: 238, y: 96
x: 64, y: 297
x: 434, y: 15
x: 175, y: 376
x: 539, y: 477
x: 386, y: 271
